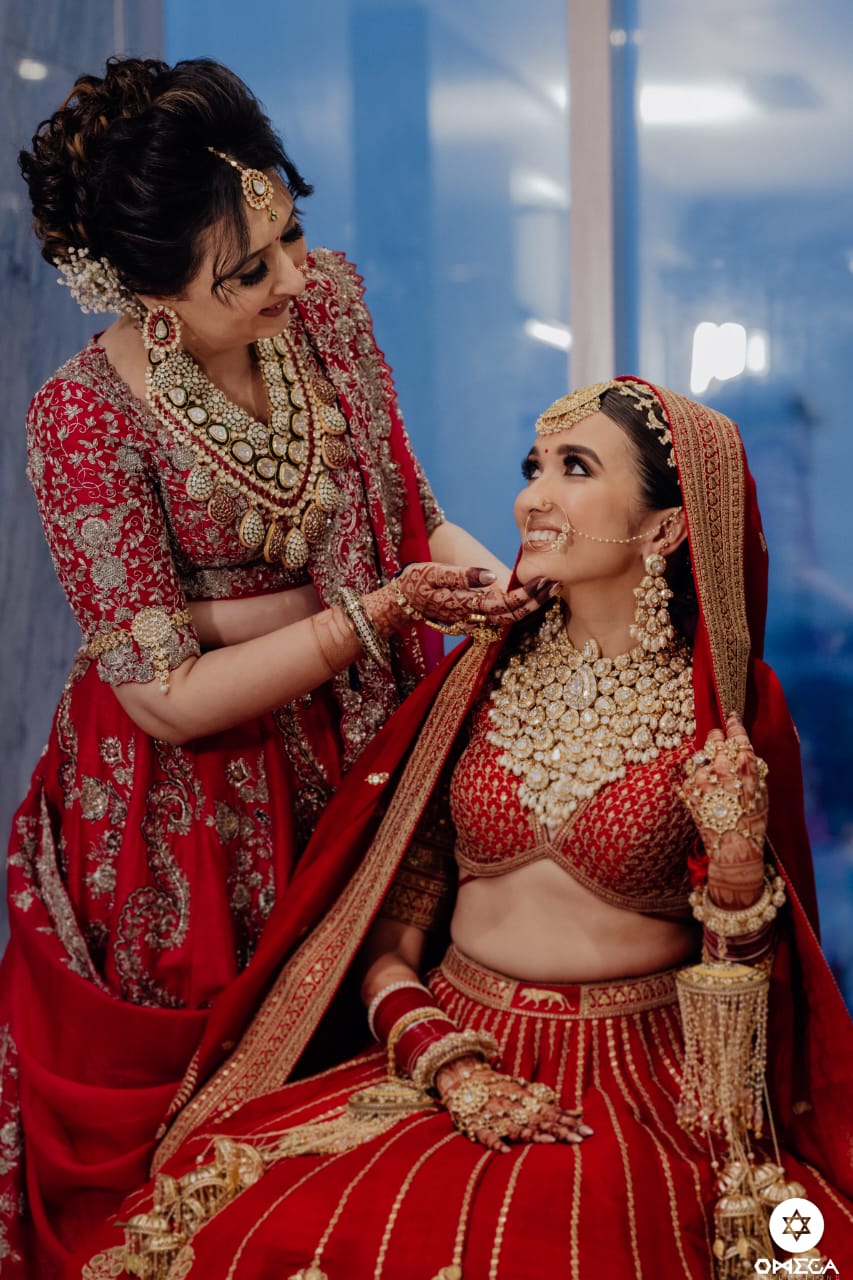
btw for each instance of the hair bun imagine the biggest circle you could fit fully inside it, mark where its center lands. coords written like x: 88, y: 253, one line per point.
x: 122, y: 170
x: 60, y: 171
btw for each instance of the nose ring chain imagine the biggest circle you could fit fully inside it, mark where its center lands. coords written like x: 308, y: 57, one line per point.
x: 568, y: 527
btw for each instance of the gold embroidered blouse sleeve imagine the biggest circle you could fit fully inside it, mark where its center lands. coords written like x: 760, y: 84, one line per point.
x: 107, y: 534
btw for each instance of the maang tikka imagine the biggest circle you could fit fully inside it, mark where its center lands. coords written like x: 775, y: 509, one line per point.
x: 258, y: 191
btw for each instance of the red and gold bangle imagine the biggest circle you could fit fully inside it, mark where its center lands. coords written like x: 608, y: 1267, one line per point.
x: 391, y: 1003
x: 415, y: 1019
x: 414, y: 1040
x: 744, y: 948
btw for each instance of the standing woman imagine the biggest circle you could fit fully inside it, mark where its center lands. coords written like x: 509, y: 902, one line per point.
x: 225, y: 485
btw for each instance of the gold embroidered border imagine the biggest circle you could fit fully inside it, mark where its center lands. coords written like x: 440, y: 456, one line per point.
x: 711, y: 469
x: 592, y: 999
x: 289, y: 1015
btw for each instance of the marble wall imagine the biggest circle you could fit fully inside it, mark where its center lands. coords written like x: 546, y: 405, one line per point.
x: 44, y: 44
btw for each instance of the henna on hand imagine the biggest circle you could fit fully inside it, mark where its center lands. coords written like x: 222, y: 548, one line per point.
x: 452, y: 596
x: 493, y: 1108
x: 726, y: 794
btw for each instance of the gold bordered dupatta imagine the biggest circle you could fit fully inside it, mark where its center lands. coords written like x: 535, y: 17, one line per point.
x: 308, y: 981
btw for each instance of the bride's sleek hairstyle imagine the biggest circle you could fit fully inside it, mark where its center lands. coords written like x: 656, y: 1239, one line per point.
x: 123, y: 170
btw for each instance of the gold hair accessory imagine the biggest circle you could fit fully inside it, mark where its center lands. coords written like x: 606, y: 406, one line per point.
x: 568, y: 410
x: 586, y: 401
x: 94, y: 285
x: 257, y: 189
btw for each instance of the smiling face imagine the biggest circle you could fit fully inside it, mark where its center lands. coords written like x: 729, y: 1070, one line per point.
x: 589, y: 472
x: 220, y: 314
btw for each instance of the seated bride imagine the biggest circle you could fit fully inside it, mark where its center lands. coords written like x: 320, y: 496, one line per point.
x: 568, y: 891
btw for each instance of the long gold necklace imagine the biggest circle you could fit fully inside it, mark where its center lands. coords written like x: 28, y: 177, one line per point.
x: 273, y: 479
x: 570, y: 721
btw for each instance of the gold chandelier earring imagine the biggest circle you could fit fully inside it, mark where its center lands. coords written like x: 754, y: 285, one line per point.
x: 652, y: 627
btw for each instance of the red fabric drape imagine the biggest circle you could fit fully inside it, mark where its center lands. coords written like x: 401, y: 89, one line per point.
x: 811, y: 1035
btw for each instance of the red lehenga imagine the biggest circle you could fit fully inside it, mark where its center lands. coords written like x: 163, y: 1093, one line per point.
x: 636, y: 1198
x: 141, y: 874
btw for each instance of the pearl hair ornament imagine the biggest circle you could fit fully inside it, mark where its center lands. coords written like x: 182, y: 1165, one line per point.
x: 95, y: 286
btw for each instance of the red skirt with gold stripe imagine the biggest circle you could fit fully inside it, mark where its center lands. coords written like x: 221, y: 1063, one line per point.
x: 634, y: 1200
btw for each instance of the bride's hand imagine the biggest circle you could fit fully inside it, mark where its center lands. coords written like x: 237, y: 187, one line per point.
x: 726, y: 794
x: 492, y: 1108
x: 452, y: 596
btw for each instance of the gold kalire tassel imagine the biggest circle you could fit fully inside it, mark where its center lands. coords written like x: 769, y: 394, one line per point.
x: 724, y: 1017
x: 158, y: 1244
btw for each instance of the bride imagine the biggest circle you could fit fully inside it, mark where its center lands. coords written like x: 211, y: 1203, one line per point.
x: 518, y: 879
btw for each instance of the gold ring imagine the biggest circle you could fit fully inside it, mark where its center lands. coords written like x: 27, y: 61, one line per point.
x: 477, y: 619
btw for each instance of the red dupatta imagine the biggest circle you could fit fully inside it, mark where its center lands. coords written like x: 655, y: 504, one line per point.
x: 314, y: 936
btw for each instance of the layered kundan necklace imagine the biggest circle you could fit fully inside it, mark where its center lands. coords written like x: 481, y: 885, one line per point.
x: 569, y: 721
x: 273, y: 479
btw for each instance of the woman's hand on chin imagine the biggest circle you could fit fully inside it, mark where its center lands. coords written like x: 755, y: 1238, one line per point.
x: 493, y: 1109
x: 459, y: 598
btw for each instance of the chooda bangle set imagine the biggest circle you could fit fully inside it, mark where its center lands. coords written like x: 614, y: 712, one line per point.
x: 420, y: 1038
x: 745, y: 935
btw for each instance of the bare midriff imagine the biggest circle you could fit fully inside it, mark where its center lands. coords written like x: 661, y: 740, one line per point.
x: 538, y: 924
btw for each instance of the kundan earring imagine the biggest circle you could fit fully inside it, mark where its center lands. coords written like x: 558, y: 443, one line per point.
x: 161, y: 332
x: 652, y: 627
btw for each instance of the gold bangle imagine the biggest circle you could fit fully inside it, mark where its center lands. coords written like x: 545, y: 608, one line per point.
x: 371, y: 642
x: 733, y: 924
x: 373, y: 1007
x: 455, y: 1045
x: 425, y: 1014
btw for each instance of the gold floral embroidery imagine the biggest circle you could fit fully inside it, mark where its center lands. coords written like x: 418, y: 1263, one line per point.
x: 153, y: 629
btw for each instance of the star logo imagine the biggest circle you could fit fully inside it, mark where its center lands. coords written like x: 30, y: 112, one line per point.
x: 796, y: 1225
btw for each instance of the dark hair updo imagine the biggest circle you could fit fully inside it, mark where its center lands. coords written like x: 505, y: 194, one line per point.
x: 659, y: 489
x: 123, y: 170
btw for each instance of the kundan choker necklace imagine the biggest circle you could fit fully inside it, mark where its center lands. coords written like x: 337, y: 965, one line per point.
x: 272, y: 479
x: 570, y: 721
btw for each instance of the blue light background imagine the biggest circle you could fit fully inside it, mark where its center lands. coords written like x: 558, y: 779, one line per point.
x: 424, y: 128
x: 436, y: 134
